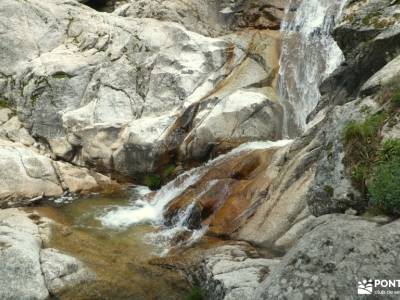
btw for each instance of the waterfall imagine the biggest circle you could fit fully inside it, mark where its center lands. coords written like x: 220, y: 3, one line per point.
x: 309, y: 54
x: 151, y: 211
x: 145, y: 211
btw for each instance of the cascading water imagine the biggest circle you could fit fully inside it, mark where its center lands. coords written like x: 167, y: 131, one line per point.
x: 309, y: 55
x: 144, y: 211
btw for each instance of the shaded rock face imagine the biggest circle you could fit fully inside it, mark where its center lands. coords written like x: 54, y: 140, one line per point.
x: 100, y: 5
x: 327, y: 263
x: 210, y: 17
x: 27, y: 270
x: 369, y: 36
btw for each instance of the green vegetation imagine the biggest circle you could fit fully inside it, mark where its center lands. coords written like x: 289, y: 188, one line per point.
x: 362, y: 141
x: 168, y: 171
x: 329, y: 190
x: 376, y: 20
x: 61, y: 75
x: 4, y: 104
x: 384, y: 185
x: 195, y: 293
x: 153, y: 181
x: 390, y: 92
x: 375, y: 168
x: 395, y: 100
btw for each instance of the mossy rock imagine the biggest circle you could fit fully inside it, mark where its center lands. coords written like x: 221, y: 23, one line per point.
x: 196, y: 293
x: 153, y: 181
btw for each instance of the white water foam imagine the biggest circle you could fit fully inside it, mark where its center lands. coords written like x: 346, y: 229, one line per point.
x: 309, y: 55
x: 151, y: 212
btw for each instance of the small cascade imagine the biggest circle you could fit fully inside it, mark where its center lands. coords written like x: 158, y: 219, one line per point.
x: 309, y: 54
x: 151, y: 211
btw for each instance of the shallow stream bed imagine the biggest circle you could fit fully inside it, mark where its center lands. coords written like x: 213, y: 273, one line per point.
x: 120, y: 258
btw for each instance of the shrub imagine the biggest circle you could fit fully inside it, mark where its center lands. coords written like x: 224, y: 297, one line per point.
x: 195, y: 293
x: 362, y: 140
x: 384, y: 187
x: 153, y: 181
x: 390, y: 151
x: 384, y: 184
x: 395, y: 100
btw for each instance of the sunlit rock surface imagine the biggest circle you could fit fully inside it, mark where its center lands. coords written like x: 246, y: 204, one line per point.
x: 28, y: 270
x: 95, y: 75
x: 328, y: 262
x: 25, y: 174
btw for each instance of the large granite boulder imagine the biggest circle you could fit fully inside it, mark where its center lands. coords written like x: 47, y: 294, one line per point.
x: 369, y: 36
x: 231, y: 272
x: 27, y: 270
x: 26, y: 175
x: 328, y: 263
x: 87, y: 83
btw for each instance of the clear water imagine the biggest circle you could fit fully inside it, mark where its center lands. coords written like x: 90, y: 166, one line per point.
x: 121, y: 259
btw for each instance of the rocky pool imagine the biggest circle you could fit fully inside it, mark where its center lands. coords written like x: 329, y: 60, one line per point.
x: 120, y: 256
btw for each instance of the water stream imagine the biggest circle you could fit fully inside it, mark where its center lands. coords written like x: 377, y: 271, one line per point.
x: 309, y: 54
x: 120, y: 258
x: 150, y: 211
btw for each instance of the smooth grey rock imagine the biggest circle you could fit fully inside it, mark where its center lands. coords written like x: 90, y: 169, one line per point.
x: 25, y: 173
x: 227, y: 272
x: 87, y: 76
x: 209, y: 17
x: 242, y: 116
x: 27, y: 270
x: 14, y: 131
x: 5, y: 114
x: 332, y: 190
x: 61, y: 271
x: 20, y: 244
x: 369, y: 36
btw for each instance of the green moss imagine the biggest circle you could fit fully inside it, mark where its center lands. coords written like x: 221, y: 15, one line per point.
x: 34, y: 98
x: 329, y: 190
x: 153, y: 181
x: 61, y: 75
x: 373, y: 211
x: 4, y: 104
x: 196, y: 293
x: 168, y: 171
x: 364, y: 132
